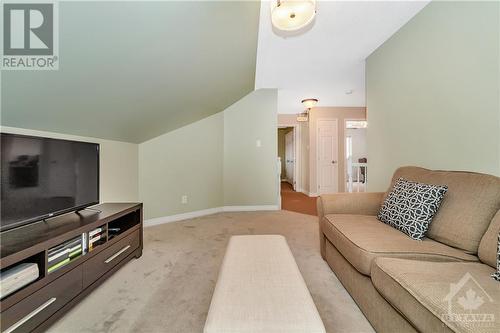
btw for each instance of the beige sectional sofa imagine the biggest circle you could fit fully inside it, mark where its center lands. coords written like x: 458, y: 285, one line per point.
x: 403, y: 285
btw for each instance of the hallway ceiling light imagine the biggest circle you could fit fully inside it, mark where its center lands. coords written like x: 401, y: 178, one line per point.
x: 291, y: 15
x: 309, y: 103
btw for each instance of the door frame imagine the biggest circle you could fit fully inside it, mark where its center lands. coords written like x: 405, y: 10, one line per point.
x: 317, y: 153
x: 290, y: 181
x: 344, y: 138
x: 296, y: 148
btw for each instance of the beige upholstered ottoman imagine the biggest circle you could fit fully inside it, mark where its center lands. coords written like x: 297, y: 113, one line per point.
x: 260, y: 289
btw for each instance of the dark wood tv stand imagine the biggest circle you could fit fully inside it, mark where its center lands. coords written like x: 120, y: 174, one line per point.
x: 39, y: 304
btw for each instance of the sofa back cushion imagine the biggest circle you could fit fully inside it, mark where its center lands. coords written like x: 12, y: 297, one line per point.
x: 467, y: 208
x: 488, y: 247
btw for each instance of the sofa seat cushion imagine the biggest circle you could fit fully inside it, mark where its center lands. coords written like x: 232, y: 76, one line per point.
x: 438, y: 297
x: 362, y: 238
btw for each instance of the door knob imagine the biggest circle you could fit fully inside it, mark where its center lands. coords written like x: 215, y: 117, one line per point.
x: 333, y: 162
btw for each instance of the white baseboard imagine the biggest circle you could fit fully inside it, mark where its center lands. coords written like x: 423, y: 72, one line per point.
x: 180, y: 217
x: 205, y: 212
x: 249, y: 208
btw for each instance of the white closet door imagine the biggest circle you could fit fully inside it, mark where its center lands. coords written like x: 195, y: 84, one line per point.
x: 328, y: 166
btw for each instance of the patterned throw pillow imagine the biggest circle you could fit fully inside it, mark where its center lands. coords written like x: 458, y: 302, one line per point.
x: 410, y: 207
x: 496, y: 275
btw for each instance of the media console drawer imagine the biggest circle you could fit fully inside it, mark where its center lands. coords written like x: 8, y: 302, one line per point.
x: 36, y: 308
x: 97, y: 266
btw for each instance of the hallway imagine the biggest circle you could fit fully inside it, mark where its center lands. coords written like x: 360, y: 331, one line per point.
x: 296, y: 201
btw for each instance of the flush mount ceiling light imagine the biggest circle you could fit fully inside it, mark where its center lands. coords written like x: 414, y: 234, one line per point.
x: 291, y: 15
x: 309, y: 103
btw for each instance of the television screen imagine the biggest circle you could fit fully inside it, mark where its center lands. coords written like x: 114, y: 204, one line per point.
x: 42, y: 177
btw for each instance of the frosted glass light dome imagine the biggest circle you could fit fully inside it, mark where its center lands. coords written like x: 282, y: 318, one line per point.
x: 309, y: 103
x: 291, y: 15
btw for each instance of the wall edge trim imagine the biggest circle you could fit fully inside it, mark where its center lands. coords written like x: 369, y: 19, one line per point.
x: 204, y: 212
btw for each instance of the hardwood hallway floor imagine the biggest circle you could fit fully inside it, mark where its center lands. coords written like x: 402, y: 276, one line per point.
x: 297, y: 201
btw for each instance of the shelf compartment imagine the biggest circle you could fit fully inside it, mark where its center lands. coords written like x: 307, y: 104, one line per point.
x: 124, y: 223
x: 64, y: 253
x: 97, y: 237
x: 38, y: 259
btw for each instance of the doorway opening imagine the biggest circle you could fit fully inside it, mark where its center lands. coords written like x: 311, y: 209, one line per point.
x: 356, y: 155
x: 291, y: 197
x: 286, y: 155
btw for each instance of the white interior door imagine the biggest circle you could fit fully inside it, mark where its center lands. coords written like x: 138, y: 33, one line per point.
x: 328, y: 166
x: 289, y: 157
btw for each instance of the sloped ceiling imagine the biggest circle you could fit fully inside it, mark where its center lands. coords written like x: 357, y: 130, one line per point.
x: 131, y: 71
x: 327, y: 61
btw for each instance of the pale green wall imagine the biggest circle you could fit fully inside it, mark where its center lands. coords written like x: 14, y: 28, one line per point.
x: 118, y: 165
x: 250, y: 172
x: 186, y: 161
x: 433, y: 93
x: 214, y: 161
x: 133, y: 70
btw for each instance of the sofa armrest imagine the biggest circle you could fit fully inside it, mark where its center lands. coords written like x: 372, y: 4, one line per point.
x: 364, y: 203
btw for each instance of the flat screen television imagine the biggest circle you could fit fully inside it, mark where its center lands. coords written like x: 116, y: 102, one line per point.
x: 43, y: 177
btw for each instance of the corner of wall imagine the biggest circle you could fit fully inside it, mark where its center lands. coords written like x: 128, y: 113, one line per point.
x: 250, y: 168
x: 228, y: 159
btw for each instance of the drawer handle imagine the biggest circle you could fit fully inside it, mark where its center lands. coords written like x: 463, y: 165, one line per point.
x: 30, y: 315
x: 110, y: 259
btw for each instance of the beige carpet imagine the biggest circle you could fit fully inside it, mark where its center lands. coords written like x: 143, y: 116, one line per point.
x: 169, y: 288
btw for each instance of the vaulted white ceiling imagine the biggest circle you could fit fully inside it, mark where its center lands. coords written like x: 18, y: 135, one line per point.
x: 328, y: 60
x: 132, y: 70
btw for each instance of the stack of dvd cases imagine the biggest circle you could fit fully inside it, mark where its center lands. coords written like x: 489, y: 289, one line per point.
x: 64, y: 253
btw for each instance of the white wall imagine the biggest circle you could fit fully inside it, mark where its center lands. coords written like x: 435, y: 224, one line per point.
x: 118, y: 164
x: 326, y: 59
x: 433, y: 93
